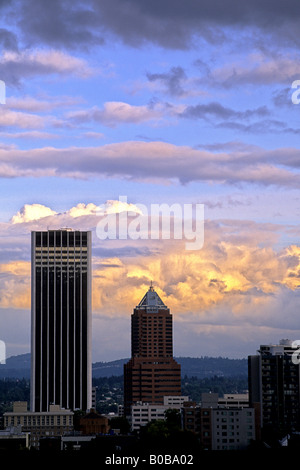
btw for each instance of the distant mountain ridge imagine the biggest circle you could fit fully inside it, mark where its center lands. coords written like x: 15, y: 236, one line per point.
x: 19, y: 367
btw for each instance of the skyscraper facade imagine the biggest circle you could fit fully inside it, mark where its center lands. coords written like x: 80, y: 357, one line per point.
x: 60, y: 319
x: 152, y: 372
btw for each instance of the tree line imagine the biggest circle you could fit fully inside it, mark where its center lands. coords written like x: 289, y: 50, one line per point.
x: 109, y: 393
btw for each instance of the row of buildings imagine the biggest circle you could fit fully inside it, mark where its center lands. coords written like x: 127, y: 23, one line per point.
x: 61, y: 380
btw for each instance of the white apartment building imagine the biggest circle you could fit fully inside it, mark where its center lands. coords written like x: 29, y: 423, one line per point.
x: 143, y: 413
x: 232, y: 429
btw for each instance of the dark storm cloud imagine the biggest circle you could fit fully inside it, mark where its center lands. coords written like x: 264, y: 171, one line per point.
x: 169, y: 23
x: 174, y: 23
x: 59, y: 23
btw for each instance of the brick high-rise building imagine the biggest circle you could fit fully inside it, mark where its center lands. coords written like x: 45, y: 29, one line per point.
x: 152, y: 373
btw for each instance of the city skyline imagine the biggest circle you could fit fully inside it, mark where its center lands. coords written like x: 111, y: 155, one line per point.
x: 161, y: 103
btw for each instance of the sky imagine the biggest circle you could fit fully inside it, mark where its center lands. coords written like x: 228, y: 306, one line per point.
x: 119, y: 105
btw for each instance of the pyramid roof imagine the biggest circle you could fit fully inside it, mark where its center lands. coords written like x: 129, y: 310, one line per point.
x: 151, y: 300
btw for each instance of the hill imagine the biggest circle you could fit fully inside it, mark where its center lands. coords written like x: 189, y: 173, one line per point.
x: 19, y: 367
x: 16, y: 367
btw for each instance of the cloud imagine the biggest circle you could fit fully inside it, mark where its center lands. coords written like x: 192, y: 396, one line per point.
x: 116, y: 207
x: 239, y: 282
x: 31, y: 212
x: 265, y: 126
x: 28, y: 135
x: 23, y: 120
x: 34, y: 104
x: 8, y: 40
x: 30, y: 113
x: 173, y: 80
x: 114, y: 113
x: 238, y: 268
x: 173, y: 24
x: 176, y: 25
x: 216, y: 110
x: 83, y: 209
x: 35, y: 212
x: 63, y: 25
x: 156, y: 161
x: 259, y: 69
x: 15, y: 284
x: 19, y: 66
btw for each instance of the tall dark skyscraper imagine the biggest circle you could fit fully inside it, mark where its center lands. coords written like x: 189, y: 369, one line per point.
x: 60, y: 319
x: 152, y: 373
x: 274, y: 386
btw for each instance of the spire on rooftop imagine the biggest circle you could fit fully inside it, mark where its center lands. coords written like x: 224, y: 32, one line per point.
x: 151, y: 299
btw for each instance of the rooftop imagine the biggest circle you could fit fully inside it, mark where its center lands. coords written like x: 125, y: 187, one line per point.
x: 151, y: 300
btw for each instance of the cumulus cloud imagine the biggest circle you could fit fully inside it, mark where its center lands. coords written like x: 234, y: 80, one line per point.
x: 223, y: 282
x: 15, y: 284
x: 83, y: 209
x: 31, y: 212
x: 240, y: 280
x: 35, y: 212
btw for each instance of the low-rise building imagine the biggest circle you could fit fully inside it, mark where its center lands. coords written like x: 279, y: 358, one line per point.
x: 94, y: 423
x: 13, y: 438
x: 221, y: 424
x: 55, y: 422
x: 143, y: 413
x: 232, y: 428
x: 234, y: 400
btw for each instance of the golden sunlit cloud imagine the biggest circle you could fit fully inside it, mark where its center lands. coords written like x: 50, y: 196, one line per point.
x: 235, y: 272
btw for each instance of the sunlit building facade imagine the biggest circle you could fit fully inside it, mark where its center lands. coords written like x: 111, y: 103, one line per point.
x: 152, y: 372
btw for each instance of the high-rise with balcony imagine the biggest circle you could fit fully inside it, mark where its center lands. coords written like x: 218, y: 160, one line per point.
x: 274, y: 387
x: 60, y: 319
x: 152, y: 372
